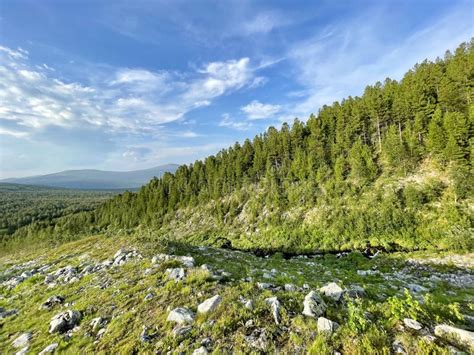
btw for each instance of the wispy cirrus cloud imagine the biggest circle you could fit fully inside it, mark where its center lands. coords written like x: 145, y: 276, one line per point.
x: 257, y: 110
x: 228, y: 122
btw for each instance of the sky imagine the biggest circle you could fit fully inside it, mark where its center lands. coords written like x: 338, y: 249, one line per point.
x: 125, y: 85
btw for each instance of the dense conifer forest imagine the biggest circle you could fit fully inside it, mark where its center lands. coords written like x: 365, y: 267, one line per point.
x: 392, y: 169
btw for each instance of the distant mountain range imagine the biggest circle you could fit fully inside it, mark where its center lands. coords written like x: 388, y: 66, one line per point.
x: 95, y: 179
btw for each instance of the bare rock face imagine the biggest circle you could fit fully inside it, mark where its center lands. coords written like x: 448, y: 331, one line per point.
x: 210, y: 304
x: 456, y: 336
x: 181, y: 316
x: 314, y: 306
x: 64, y: 321
x: 332, y: 290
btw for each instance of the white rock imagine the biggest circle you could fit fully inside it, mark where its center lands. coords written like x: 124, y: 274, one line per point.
x: 275, y: 307
x: 332, y: 290
x: 455, y: 335
x: 412, y: 324
x: 200, y: 351
x: 96, y: 323
x: 210, y: 304
x: 180, y: 331
x: 22, y: 340
x: 23, y: 351
x: 49, y: 349
x: 326, y: 325
x: 64, y: 321
x: 313, y: 305
x: 175, y: 274
x: 181, y: 315
x: 290, y: 287
x: 249, y: 304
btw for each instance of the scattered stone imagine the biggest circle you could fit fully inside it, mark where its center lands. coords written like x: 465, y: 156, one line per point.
x: 181, y: 331
x: 52, y: 301
x: 200, y: 351
x: 210, y: 304
x: 206, y: 342
x: 23, y: 351
x: 398, y: 348
x: 22, y: 341
x: 326, y: 325
x: 144, y: 336
x: 264, y: 286
x: 456, y: 336
x: 97, y: 323
x: 356, y: 291
x: 181, y: 315
x: 416, y: 288
x: 275, y: 307
x: 49, y: 349
x: 412, y: 324
x: 176, y: 274
x: 100, y: 332
x: 367, y: 272
x: 4, y: 313
x: 290, y: 287
x: 149, y: 296
x: 64, y: 321
x: 332, y: 290
x: 249, y: 304
x: 267, y: 276
x: 187, y: 261
x: 258, y: 339
x: 314, y: 306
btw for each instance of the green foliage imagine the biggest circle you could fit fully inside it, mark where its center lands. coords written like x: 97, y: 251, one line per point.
x: 404, y: 307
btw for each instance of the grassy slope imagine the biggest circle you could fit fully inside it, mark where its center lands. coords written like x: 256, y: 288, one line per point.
x: 123, y: 305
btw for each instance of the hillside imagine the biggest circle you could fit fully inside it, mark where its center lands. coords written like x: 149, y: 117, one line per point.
x: 89, y: 179
x: 391, y: 169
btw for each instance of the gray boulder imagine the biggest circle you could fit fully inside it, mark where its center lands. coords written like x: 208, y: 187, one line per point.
x: 332, y: 290
x: 176, y: 274
x: 210, y: 304
x: 313, y: 305
x: 181, y: 331
x: 52, y: 301
x: 326, y: 326
x: 64, y: 321
x: 22, y: 340
x: 412, y: 324
x: 456, y: 336
x: 181, y: 315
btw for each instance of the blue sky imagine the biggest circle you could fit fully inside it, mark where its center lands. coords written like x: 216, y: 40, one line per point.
x: 123, y: 85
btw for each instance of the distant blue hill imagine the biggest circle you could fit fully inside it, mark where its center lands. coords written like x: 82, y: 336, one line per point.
x: 91, y: 179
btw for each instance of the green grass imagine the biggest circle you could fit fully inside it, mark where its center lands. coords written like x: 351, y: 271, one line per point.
x: 367, y: 326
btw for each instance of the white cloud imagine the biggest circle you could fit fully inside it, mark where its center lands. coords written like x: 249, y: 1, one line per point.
x: 339, y: 61
x: 228, y: 122
x: 134, y: 101
x: 256, y: 110
x: 137, y: 154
